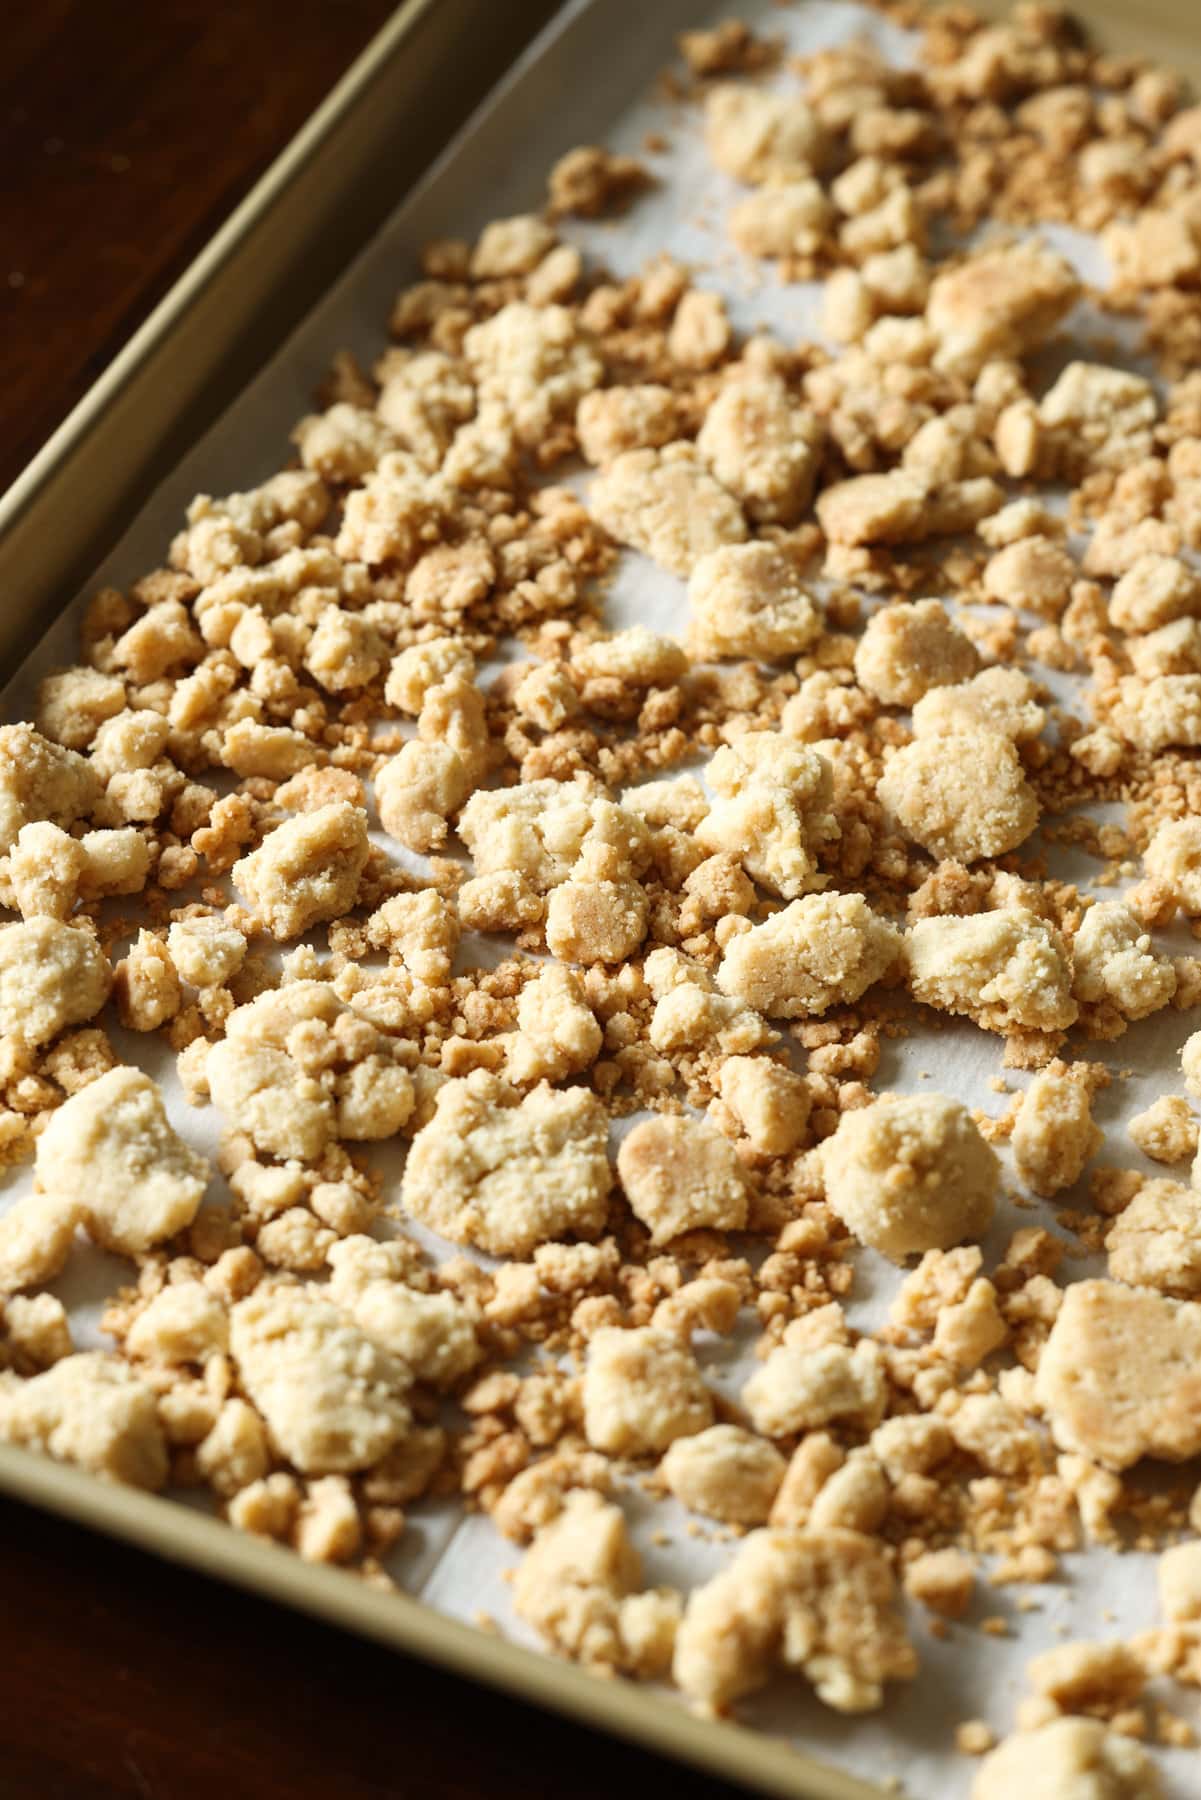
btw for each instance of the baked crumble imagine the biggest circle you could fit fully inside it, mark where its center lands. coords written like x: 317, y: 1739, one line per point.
x: 359, y: 810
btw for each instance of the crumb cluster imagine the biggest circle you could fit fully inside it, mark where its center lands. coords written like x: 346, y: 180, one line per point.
x: 577, y: 954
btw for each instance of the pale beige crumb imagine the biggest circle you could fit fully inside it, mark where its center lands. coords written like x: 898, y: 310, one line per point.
x: 422, y: 667
x: 642, y: 1391
x: 265, y: 1094
x: 41, y: 780
x: 1115, y: 1376
x: 999, y: 302
x: 577, y: 1586
x: 855, y: 1497
x: 534, y: 361
x: 1155, y: 1242
x: 725, y: 1473
x: 962, y: 794
x: 1098, y: 417
x: 1068, y: 1757
x: 546, y: 696
x: 1190, y: 1063
x: 666, y: 503
x: 36, y: 1233
x: 770, y: 1102
x: 822, y: 1603
x: 432, y: 1334
x: 974, y: 1737
x: 185, y: 1323
x: 763, y: 448
x: 942, y: 1580
x: 910, y: 1173
x: 996, y: 699
x: 536, y: 830
x: 772, y: 807
x: 540, y: 1492
x: 206, y: 952
x: 748, y: 600
x: 902, y: 507
x: 799, y: 1388
x: 968, y: 1331
x: 820, y: 951
x: 911, y: 1444
x: 111, y: 1149
x: 755, y: 135
x: 1004, y: 969
x: 307, y: 870
x: 506, y: 1173
x: 1178, y: 1575
x: 910, y: 648
x: 146, y: 987
x: 1035, y: 573
x: 266, y: 1507
x: 73, y: 703
x: 691, y: 1013
x: 1154, y: 591
x: 613, y: 420
x: 678, y: 1174
x: 333, y: 1401
x: 814, y: 1461
x: 557, y: 1034
x: 699, y: 335
x: 1166, y: 1131
x: 327, y: 1526
x: 786, y: 217
x: 1173, y: 649
x: 91, y: 1410
x: 1158, y: 714
x: 637, y: 656
x: 420, y: 789
x: 35, y: 1331
x: 1115, y: 962
x: 51, y: 975
x: 420, y: 931
x: 596, y: 918
x: 988, y: 1428
x: 1055, y: 1135
x: 1173, y: 859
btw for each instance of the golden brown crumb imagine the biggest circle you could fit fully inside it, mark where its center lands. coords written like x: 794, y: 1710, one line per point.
x: 736, y: 840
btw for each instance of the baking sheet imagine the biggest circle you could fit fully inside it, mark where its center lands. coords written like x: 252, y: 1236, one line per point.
x: 591, y: 80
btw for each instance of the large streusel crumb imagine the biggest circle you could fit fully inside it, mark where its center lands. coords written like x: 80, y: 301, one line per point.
x: 569, y: 845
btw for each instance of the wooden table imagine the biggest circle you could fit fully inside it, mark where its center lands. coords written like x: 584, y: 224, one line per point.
x: 128, y: 130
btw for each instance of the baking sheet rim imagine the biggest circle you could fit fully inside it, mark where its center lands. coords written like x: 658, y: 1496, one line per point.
x: 163, y: 1527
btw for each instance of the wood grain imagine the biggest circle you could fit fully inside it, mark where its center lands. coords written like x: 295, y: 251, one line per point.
x: 127, y: 1679
x: 128, y: 130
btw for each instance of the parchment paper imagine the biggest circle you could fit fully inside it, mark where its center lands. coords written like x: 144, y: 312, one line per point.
x: 590, y: 79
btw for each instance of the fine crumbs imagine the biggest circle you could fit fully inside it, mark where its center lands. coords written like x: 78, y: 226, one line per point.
x: 718, y: 874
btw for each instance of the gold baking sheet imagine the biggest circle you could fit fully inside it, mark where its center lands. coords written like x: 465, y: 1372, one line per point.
x: 284, y: 246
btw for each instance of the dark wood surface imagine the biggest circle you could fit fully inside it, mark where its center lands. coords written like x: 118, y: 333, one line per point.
x: 122, y: 1678
x: 128, y: 130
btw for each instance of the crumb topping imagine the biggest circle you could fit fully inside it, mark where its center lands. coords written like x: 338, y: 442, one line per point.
x: 547, y: 825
